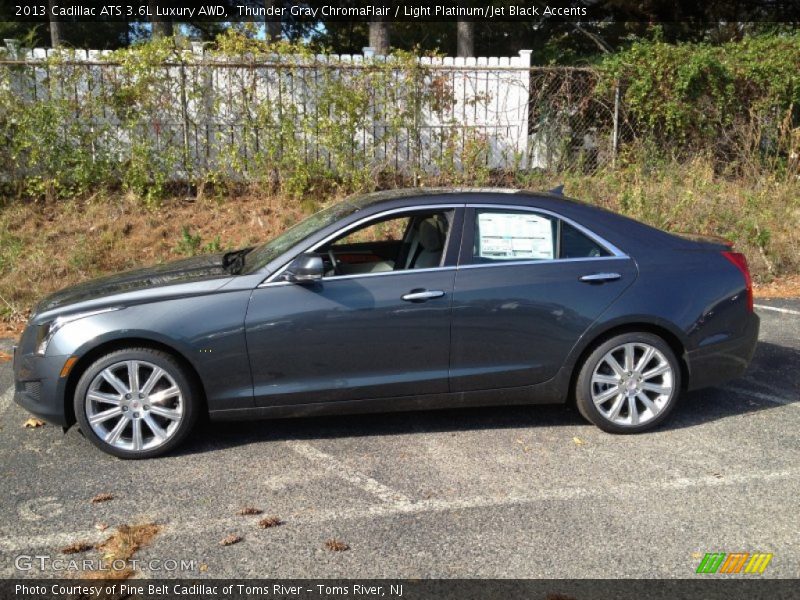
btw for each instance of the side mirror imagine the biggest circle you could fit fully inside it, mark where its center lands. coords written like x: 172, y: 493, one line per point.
x: 304, y: 269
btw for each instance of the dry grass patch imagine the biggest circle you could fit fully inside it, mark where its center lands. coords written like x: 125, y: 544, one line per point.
x: 121, y: 546
x: 127, y: 540
x: 51, y: 245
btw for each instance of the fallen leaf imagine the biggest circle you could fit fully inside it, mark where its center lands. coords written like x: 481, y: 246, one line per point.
x: 102, y: 498
x: 77, y: 547
x: 5, y: 357
x: 203, y: 567
x: 578, y: 441
x: 33, y: 423
x: 697, y: 555
x: 335, y: 545
x: 269, y: 522
x: 230, y: 540
x: 101, y: 526
x: 250, y: 511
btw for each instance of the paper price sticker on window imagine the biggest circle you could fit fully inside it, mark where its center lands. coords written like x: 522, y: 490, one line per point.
x: 515, y: 236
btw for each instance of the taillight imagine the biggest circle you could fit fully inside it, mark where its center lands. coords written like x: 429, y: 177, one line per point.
x: 738, y: 259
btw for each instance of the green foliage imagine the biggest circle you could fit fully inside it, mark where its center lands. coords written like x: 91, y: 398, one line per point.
x: 188, y: 244
x: 737, y: 101
x: 192, y: 244
x: 134, y: 123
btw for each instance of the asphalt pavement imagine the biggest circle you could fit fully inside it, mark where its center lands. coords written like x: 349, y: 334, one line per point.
x: 527, y: 492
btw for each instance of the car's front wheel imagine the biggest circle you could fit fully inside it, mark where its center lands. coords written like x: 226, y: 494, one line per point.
x: 135, y: 403
x: 628, y: 383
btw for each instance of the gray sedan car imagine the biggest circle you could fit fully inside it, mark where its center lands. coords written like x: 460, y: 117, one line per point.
x: 403, y: 300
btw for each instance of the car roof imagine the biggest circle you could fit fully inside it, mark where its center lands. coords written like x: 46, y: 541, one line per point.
x: 425, y: 194
x: 632, y: 236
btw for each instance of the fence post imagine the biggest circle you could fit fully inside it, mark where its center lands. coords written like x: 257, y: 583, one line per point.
x: 615, y: 134
x: 523, y: 145
x: 12, y: 44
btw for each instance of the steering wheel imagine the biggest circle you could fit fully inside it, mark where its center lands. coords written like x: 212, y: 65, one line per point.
x: 334, y: 262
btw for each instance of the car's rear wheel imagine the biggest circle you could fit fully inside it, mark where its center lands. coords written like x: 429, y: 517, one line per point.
x: 629, y: 383
x: 135, y: 403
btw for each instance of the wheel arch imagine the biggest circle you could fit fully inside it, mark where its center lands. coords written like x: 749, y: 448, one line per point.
x: 598, y: 337
x: 106, y: 347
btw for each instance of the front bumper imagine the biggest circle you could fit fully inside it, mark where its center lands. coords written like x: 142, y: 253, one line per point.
x: 718, y: 363
x: 39, y: 387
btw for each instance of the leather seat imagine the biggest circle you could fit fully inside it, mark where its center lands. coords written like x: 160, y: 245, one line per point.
x: 426, y: 250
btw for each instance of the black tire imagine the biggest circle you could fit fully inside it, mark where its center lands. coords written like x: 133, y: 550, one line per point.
x: 664, y: 402
x: 188, y: 399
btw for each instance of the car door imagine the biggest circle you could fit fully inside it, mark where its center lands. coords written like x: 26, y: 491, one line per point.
x: 529, y: 284
x: 355, y: 336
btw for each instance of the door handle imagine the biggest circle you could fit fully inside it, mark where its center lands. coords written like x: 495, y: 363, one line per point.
x: 422, y: 295
x: 600, y: 277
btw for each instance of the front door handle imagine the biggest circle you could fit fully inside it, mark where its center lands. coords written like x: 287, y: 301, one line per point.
x: 422, y: 295
x: 600, y: 277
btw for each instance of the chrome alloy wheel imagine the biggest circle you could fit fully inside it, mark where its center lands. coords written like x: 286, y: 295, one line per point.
x: 632, y: 384
x: 134, y: 405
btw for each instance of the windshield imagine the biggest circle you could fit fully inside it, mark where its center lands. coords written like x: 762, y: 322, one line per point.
x: 261, y: 255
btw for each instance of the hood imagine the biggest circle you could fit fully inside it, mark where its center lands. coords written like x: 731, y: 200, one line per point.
x: 198, y: 268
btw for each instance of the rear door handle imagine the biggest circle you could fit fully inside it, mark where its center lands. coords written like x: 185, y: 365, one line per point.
x: 422, y: 295
x: 600, y: 277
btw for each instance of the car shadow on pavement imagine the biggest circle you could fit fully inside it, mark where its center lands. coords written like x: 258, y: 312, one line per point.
x: 773, y: 363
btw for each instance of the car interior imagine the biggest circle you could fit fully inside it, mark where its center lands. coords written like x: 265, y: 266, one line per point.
x: 415, y: 241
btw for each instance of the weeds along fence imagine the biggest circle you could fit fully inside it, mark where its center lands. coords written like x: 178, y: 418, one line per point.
x: 70, y: 120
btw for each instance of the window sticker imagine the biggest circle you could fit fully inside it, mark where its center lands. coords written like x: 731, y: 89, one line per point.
x: 515, y: 236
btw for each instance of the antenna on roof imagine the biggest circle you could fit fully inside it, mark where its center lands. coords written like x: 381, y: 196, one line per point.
x: 558, y: 190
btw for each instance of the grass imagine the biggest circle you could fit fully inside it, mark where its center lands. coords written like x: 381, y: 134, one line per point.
x: 47, y: 246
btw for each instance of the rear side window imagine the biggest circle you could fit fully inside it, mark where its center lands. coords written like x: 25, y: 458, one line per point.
x: 514, y: 236
x: 523, y: 235
x: 575, y: 244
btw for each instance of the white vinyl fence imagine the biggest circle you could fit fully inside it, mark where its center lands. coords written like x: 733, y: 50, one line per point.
x: 240, y: 113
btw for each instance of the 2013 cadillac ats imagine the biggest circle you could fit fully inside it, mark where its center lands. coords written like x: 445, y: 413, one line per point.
x: 410, y: 299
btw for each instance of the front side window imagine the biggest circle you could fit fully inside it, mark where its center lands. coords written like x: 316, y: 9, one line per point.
x: 401, y: 242
x: 505, y: 235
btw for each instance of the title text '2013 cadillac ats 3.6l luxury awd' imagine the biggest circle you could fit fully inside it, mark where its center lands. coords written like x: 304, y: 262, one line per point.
x: 403, y: 300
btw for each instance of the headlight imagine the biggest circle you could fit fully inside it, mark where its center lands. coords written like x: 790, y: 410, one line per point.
x: 47, y: 330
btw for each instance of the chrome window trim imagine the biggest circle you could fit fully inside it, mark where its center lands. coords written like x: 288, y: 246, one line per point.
x: 272, y: 278
x: 363, y: 275
x: 615, y: 252
x: 545, y: 261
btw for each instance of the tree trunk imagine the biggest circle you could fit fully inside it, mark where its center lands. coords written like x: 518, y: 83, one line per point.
x: 379, y: 36
x: 466, y: 38
x: 273, y: 26
x: 161, y: 27
x: 55, y: 26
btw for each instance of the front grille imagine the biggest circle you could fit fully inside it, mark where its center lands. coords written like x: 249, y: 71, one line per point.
x: 33, y: 389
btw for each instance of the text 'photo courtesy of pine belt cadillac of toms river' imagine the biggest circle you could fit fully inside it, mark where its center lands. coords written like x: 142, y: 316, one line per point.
x: 401, y: 300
